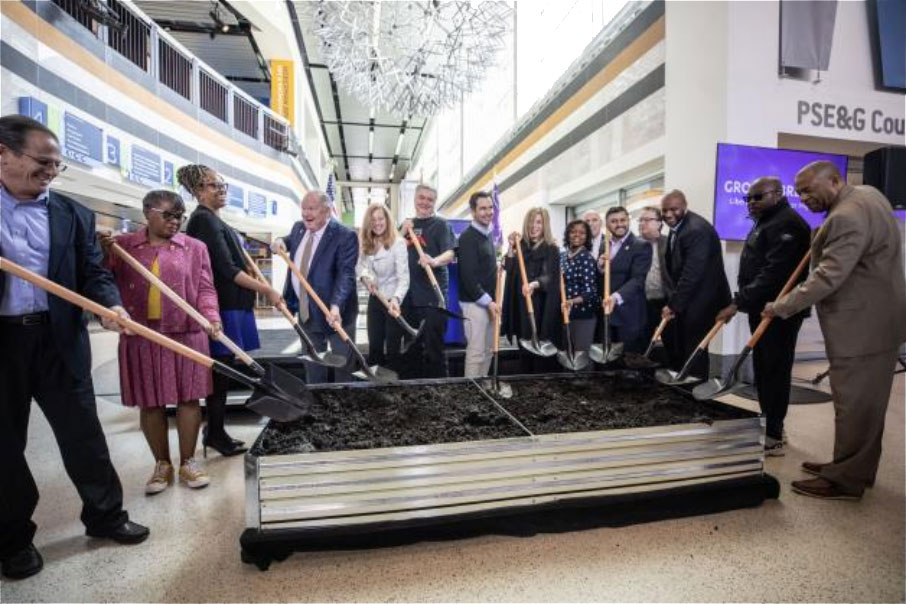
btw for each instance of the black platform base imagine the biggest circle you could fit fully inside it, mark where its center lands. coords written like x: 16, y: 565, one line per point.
x: 261, y: 548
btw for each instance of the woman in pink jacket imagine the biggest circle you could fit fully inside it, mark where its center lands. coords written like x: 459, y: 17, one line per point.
x: 152, y: 377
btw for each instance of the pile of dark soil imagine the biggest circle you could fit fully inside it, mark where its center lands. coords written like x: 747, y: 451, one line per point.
x: 606, y: 402
x: 389, y: 416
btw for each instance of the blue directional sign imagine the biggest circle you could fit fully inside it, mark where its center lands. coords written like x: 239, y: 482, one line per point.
x: 236, y: 198
x: 82, y: 140
x: 168, y: 173
x: 274, y: 207
x: 112, y: 155
x: 145, y: 166
x: 33, y: 108
x: 257, y: 205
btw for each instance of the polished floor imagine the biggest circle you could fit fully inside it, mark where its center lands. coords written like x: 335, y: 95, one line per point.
x: 793, y: 549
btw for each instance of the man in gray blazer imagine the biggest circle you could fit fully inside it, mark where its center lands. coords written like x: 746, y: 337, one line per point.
x: 857, y: 284
x: 657, y: 281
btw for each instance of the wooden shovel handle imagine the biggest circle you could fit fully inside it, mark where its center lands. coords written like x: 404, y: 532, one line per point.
x: 102, y: 311
x: 787, y: 287
x: 498, y: 298
x: 710, y: 335
x: 281, y: 305
x: 563, y: 308
x: 311, y: 294
x: 659, y: 330
x: 606, y: 271
x: 421, y: 254
x: 182, y: 304
x: 377, y: 294
x: 522, y: 273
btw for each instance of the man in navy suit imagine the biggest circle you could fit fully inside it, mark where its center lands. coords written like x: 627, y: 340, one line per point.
x: 629, y: 264
x: 44, y: 350
x: 326, y: 253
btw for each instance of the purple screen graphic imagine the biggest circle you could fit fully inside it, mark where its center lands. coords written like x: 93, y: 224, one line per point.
x: 738, y: 166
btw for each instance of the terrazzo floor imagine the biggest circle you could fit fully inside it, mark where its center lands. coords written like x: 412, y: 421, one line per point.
x: 792, y: 549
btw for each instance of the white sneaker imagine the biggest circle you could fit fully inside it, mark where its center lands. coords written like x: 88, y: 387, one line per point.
x: 773, y: 447
x: 192, y: 475
x: 160, y: 479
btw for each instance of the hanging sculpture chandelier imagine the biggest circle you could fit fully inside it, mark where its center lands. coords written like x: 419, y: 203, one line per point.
x: 409, y: 58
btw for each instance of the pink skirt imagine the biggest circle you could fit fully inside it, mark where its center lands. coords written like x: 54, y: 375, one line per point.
x: 152, y: 376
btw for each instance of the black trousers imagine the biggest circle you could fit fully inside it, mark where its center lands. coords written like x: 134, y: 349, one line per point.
x: 427, y: 353
x: 385, y: 336
x: 773, y: 358
x: 682, y: 335
x: 32, y: 367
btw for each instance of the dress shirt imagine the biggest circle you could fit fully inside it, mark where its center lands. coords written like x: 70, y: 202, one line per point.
x: 487, y: 231
x: 388, y: 269
x: 297, y: 259
x: 596, y: 243
x: 615, y: 245
x: 654, y: 288
x: 24, y: 239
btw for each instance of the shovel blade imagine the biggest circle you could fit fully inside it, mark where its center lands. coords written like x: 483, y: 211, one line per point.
x: 576, y: 362
x: 668, y: 377
x: 715, y: 387
x: 280, y: 395
x: 601, y: 355
x: 275, y: 408
x: 327, y: 359
x: 542, y: 348
x: 407, y: 344
x: 376, y: 373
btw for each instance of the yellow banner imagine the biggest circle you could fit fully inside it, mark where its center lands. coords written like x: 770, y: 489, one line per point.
x: 283, y: 94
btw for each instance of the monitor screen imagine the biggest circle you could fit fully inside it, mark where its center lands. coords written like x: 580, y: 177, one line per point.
x: 738, y: 166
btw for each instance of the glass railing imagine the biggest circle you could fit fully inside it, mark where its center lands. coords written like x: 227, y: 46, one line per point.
x: 154, y: 51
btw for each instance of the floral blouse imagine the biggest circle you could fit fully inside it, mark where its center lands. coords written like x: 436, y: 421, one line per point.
x: 580, y: 274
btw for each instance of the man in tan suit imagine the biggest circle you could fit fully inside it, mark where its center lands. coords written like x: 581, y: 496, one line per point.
x: 858, y: 287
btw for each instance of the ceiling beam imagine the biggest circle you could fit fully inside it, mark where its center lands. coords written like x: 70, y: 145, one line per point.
x: 365, y: 184
x: 367, y: 125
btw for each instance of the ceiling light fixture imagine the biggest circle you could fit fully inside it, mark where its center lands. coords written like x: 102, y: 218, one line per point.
x: 410, y: 58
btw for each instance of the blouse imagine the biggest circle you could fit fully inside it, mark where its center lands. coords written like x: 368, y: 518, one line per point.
x: 388, y: 269
x: 580, y: 274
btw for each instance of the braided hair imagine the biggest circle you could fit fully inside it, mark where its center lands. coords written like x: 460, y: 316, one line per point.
x: 191, y: 177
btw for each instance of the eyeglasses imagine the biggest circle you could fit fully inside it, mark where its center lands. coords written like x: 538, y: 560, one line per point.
x: 48, y: 164
x: 649, y: 220
x: 217, y: 186
x: 168, y: 215
x: 758, y: 196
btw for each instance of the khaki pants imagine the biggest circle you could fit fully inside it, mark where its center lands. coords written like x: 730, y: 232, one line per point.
x: 861, y: 389
x: 479, y: 331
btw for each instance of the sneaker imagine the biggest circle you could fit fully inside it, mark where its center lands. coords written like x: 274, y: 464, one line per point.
x: 192, y: 475
x: 160, y: 479
x: 773, y: 447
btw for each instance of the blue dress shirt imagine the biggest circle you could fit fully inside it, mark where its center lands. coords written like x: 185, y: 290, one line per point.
x: 24, y: 239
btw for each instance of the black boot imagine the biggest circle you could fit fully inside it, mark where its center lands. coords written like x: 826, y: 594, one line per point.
x: 214, y: 434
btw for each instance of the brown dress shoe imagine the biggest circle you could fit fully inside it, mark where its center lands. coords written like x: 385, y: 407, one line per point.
x: 823, y: 489
x: 810, y: 467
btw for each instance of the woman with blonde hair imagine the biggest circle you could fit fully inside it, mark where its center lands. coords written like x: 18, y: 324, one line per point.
x: 383, y: 267
x: 542, y: 265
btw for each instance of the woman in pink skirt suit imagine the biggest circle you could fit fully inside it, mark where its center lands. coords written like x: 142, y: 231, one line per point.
x: 152, y: 377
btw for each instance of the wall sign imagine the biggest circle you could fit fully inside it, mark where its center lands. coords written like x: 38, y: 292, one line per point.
x: 112, y: 154
x: 33, y: 108
x: 82, y: 141
x: 145, y: 166
x: 257, y: 205
x: 846, y: 117
x: 236, y: 197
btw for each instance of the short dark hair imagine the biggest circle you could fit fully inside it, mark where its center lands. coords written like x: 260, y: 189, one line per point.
x: 474, y: 197
x: 569, y: 227
x: 615, y: 210
x: 655, y: 210
x: 14, y: 130
x: 154, y: 198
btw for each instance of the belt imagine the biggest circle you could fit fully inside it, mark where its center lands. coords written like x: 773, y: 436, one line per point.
x: 35, y: 318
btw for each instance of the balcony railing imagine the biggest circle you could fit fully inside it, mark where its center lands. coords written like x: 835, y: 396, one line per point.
x: 179, y: 70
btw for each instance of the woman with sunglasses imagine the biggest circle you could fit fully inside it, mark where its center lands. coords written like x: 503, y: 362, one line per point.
x: 236, y: 290
x: 152, y: 377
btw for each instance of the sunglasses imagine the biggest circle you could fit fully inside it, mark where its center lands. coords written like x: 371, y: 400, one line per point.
x: 168, y: 215
x: 758, y: 196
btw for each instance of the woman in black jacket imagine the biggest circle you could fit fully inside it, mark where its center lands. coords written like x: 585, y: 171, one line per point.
x: 235, y: 287
x: 542, y: 271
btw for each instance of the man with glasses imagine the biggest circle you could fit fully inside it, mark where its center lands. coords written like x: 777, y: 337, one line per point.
x: 777, y: 242
x: 657, y: 281
x: 44, y: 349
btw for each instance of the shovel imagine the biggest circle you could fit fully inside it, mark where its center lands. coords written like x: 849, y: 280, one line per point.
x: 656, y: 338
x: 504, y: 390
x: 441, y: 303
x: 327, y: 358
x: 607, y: 351
x: 414, y: 334
x: 373, y: 373
x: 535, y: 346
x: 275, y: 394
x: 717, y: 387
x: 672, y: 378
x: 569, y: 358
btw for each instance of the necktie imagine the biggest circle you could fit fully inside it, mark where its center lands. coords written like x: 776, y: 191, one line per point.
x: 303, y: 295
x: 671, y: 238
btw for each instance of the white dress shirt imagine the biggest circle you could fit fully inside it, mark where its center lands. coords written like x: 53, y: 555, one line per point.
x: 388, y: 269
x: 297, y: 258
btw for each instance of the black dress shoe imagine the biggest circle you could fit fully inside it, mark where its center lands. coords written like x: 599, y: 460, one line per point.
x: 24, y: 563
x: 226, y: 446
x: 127, y: 532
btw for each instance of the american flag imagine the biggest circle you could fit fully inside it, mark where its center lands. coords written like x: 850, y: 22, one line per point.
x: 497, y: 231
x: 331, y: 192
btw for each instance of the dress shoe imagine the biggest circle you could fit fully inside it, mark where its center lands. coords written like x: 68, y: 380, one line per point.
x: 823, y: 488
x: 224, y: 444
x: 128, y: 532
x: 24, y: 563
x: 810, y: 467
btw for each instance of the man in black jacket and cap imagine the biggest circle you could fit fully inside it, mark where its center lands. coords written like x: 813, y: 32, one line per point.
x: 775, y: 245
x: 699, y: 288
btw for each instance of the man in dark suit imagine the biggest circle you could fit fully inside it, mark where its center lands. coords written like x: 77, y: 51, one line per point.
x: 629, y: 264
x: 326, y: 253
x: 44, y: 349
x: 775, y: 245
x: 700, y: 289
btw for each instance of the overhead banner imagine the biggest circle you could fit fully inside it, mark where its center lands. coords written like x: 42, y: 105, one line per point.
x: 283, y: 89
x: 807, y: 33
